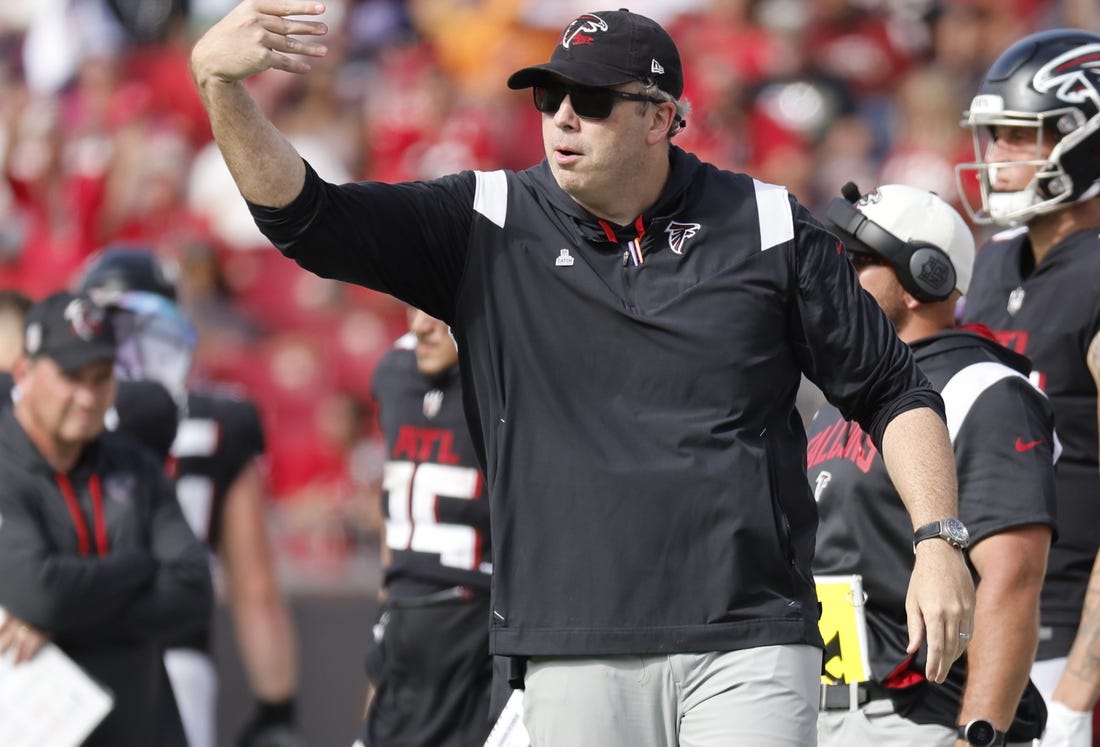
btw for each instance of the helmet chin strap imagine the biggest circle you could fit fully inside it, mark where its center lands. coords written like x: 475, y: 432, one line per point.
x: 1012, y: 206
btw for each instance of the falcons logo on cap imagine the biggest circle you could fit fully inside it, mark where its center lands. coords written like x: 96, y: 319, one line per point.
x: 581, y: 29
x: 1073, y: 74
x: 86, y: 319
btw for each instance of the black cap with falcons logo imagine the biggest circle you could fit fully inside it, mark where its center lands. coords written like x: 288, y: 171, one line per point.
x: 607, y: 48
x: 71, y: 329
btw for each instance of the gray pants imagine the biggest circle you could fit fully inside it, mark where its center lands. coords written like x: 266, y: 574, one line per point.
x: 876, y: 724
x: 764, y: 697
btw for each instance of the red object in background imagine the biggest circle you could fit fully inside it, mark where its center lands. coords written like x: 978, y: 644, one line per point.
x: 59, y: 219
x: 861, y: 48
x: 165, y: 74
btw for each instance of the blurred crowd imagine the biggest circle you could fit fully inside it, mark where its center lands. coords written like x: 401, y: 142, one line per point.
x: 103, y: 140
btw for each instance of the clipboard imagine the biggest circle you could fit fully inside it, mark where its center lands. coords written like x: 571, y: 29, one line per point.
x: 843, y: 625
x: 48, y: 701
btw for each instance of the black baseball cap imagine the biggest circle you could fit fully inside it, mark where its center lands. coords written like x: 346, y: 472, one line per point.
x: 71, y: 329
x: 607, y: 48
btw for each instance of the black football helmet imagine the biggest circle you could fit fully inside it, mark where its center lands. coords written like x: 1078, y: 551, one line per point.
x: 1049, y: 81
x: 156, y: 340
x: 119, y: 268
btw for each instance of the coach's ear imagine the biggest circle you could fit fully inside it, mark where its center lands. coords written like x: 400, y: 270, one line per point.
x: 663, y: 122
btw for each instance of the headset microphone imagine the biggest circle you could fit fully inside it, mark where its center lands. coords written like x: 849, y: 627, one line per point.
x: 851, y: 192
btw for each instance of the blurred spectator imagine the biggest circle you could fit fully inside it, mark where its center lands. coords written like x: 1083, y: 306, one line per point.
x: 968, y: 35
x: 549, y: 15
x: 477, y: 39
x: 13, y: 310
x: 213, y: 196
x: 417, y: 125
x: 790, y: 112
x: 731, y: 51
x: 226, y: 331
x: 56, y: 168
x: 329, y: 476
x: 927, y: 141
x: 145, y: 197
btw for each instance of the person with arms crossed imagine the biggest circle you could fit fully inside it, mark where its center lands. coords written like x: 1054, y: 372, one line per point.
x: 1036, y: 127
x: 429, y: 665
x: 95, y: 550
x: 631, y: 324
x: 901, y: 240
x: 221, y: 488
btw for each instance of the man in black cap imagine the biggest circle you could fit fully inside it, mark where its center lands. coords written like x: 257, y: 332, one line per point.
x: 632, y: 326
x: 95, y: 550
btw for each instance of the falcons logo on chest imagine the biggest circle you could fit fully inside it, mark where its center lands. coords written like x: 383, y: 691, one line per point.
x: 679, y: 233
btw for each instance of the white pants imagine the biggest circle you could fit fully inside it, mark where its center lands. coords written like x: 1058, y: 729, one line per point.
x: 765, y: 697
x: 195, y: 686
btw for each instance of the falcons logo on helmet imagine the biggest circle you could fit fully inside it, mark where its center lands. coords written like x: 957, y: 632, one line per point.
x: 1073, y: 74
x: 679, y: 233
x: 581, y: 29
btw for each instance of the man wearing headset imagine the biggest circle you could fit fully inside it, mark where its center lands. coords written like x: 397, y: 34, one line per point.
x: 914, y: 254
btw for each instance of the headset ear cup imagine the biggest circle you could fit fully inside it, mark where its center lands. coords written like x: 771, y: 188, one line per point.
x: 930, y: 275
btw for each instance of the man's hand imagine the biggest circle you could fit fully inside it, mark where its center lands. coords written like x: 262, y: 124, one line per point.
x: 257, y: 35
x: 940, y: 606
x: 21, y: 639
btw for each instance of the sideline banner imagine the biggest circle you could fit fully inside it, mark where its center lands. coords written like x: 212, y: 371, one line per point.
x: 844, y: 628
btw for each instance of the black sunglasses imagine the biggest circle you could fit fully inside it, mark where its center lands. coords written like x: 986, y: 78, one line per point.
x: 587, y: 101
x: 860, y: 260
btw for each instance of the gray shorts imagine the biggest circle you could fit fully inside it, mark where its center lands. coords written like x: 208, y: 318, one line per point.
x: 765, y: 697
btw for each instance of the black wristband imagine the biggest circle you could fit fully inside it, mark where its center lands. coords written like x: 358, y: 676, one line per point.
x: 269, y: 714
x: 269, y: 720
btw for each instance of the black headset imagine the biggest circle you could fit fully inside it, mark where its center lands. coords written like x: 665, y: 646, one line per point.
x: 923, y: 269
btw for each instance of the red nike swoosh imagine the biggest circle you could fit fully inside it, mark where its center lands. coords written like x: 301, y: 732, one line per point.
x: 1021, y: 445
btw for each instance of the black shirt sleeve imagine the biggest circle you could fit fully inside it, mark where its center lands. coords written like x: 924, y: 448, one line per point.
x: 846, y: 344
x: 408, y: 240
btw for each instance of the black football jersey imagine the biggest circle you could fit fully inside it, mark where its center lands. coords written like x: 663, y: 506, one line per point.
x: 1051, y: 313
x: 433, y: 494
x: 219, y: 436
x: 1002, y: 432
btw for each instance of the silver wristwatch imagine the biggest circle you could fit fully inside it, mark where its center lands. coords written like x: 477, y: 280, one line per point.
x: 952, y: 531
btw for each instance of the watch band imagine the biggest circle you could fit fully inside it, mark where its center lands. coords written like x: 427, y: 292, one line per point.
x: 951, y: 530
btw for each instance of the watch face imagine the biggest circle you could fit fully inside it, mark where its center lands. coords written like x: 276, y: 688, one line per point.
x: 980, y: 732
x: 956, y: 531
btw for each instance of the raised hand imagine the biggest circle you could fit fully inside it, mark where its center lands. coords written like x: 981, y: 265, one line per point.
x: 259, y: 35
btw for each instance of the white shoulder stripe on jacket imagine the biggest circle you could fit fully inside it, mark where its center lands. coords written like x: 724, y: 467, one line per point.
x: 491, y: 195
x: 773, y: 208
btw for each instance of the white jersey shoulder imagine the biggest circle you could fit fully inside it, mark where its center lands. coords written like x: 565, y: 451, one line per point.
x: 491, y: 195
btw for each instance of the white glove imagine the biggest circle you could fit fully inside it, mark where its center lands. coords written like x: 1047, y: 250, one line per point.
x: 1066, y: 727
